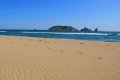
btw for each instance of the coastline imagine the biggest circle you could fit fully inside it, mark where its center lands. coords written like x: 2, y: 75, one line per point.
x: 60, y: 39
x: 97, y: 36
x: 31, y: 58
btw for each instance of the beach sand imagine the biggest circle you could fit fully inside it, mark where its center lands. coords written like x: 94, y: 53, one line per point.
x: 26, y: 58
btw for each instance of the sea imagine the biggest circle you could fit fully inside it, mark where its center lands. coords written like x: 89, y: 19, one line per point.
x: 104, y: 36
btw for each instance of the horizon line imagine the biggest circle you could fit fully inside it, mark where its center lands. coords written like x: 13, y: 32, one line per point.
x: 56, y: 30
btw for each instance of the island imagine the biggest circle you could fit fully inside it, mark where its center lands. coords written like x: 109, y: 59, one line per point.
x: 96, y: 30
x: 86, y: 30
x: 70, y: 28
x: 63, y: 28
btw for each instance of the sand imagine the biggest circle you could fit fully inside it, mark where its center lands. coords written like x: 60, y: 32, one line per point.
x: 25, y: 58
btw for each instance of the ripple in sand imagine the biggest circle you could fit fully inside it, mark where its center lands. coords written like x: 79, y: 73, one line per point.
x: 20, y: 72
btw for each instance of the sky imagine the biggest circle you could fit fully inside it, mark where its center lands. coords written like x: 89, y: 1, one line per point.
x: 42, y: 14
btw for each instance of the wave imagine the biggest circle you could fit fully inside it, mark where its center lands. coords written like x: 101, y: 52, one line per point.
x: 3, y: 31
x: 101, y: 34
x: 114, y: 34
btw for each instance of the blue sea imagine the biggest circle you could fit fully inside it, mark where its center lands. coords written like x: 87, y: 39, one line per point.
x: 94, y: 36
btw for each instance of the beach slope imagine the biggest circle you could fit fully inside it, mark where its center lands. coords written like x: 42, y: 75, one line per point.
x: 25, y: 58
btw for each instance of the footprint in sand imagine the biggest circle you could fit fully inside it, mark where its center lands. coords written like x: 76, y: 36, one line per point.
x: 40, y: 40
x: 61, y: 51
x: 49, y: 48
x: 96, y: 57
x: 80, y: 53
x: 108, y: 45
x: 99, y: 57
x: 81, y: 43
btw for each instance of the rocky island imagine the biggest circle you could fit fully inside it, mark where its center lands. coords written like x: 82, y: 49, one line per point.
x: 86, y: 30
x: 70, y: 28
x: 96, y: 30
x: 63, y: 28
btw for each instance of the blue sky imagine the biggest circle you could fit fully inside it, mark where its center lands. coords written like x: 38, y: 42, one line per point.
x: 42, y: 14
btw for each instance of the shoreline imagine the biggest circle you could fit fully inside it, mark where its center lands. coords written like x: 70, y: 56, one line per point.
x: 98, y: 36
x: 60, y: 39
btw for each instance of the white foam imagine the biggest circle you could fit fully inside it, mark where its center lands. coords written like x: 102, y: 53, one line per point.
x: 31, y: 32
x: 67, y: 33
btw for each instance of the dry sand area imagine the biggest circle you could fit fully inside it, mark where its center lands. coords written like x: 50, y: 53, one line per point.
x: 25, y: 58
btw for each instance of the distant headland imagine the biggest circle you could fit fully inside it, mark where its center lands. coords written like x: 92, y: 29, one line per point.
x: 70, y: 28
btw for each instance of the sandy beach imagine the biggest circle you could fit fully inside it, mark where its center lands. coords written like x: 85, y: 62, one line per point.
x: 26, y: 58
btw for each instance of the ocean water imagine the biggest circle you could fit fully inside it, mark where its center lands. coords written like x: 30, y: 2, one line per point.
x: 95, y: 36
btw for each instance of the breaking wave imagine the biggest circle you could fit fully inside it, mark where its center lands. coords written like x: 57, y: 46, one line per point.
x: 102, y: 34
x: 3, y: 31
